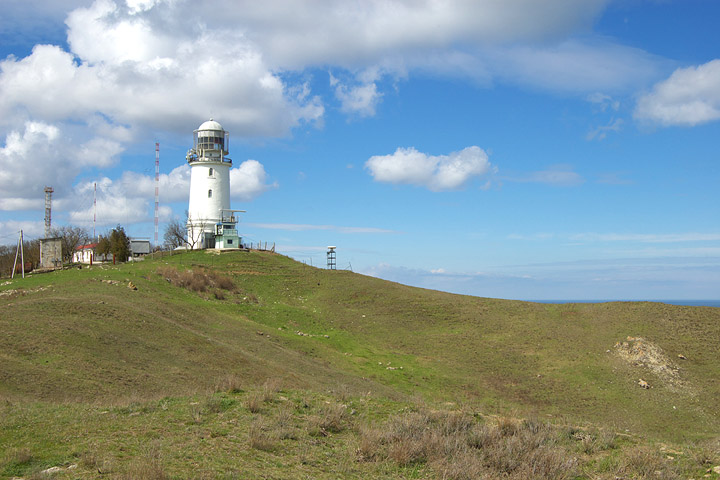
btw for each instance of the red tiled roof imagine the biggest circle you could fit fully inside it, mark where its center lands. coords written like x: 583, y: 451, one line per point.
x: 87, y: 247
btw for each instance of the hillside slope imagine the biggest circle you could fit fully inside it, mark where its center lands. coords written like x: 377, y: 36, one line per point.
x: 83, y: 335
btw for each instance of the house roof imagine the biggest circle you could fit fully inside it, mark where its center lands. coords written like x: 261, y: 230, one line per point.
x: 87, y: 247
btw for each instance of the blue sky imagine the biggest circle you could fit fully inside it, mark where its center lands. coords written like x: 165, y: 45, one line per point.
x: 518, y: 149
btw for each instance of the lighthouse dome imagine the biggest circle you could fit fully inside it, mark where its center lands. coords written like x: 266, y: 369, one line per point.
x: 210, y: 125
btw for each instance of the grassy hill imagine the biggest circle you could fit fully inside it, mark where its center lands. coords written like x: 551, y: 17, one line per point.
x: 211, y: 330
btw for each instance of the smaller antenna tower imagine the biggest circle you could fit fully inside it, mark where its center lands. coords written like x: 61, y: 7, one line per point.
x: 48, y: 210
x: 331, y: 258
x: 157, y: 189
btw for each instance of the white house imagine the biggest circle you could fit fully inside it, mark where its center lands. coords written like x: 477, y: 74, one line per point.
x: 84, y: 253
x: 87, y: 254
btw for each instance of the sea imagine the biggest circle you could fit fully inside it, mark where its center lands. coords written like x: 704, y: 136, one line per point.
x: 689, y: 303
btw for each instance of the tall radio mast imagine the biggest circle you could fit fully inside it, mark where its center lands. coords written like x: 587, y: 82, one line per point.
x: 94, y: 208
x: 157, y: 188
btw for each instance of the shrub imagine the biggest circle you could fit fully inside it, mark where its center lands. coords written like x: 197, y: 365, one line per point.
x: 369, y: 443
x: 147, y: 466
x: 258, y: 438
x: 643, y: 462
x: 330, y: 419
x: 230, y: 383
x: 195, y: 413
x: 254, y: 402
x: 197, y: 280
x: 457, y: 446
x: 270, y: 388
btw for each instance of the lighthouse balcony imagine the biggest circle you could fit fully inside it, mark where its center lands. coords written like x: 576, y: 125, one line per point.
x: 193, y: 157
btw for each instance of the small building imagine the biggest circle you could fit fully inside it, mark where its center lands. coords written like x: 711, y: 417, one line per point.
x: 139, y: 247
x: 85, y: 253
x: 226, y: 235
x: 50, y: 253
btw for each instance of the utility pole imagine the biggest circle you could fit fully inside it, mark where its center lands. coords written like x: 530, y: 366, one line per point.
x: 22, y: 257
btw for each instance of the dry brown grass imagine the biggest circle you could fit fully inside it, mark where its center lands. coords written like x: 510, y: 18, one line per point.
x: 332, y: 418
x: 198, y: 280
x: 458, y: 446
x: 254, y: 402
x: 259, y: 437
x: 230, y: 383
x: 18, y: 456
x: 148, y: 466
x: 284, y: 422
x: 195, y: 413
x: 270, y: 388
x: 645, y: 463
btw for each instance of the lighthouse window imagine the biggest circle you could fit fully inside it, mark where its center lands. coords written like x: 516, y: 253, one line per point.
x: 211, y: 143
x: 209, y: 193
x: 210, y: 172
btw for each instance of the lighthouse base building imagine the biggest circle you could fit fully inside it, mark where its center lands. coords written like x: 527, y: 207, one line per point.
x: 211, y: 223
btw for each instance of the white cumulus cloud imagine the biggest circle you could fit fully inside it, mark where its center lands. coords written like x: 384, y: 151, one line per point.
x: 690, y: 96
x: 249, y: 180
x: 42, y: 154
x: 152, y: 65
x: 437, y: 173
x: 131, y: 198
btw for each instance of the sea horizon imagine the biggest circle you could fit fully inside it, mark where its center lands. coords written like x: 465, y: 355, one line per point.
x: 687, y: 303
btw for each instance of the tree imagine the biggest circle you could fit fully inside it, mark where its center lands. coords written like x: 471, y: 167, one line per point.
x: 190, y: 233
x: 196, y: 229
x: 7, y: 256
x: 175, y: 234
x: 70, y: 238
x: 120, y: 244
x: 115, y: 243
x: 32, y: 252
x: 103, y: 246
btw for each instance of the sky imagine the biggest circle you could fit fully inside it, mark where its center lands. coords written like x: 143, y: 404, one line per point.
x: 512, y: 149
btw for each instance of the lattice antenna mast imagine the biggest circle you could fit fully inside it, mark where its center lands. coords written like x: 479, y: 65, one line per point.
x: 94, y: 208
x: 157, y: 189
x: 48, y: 210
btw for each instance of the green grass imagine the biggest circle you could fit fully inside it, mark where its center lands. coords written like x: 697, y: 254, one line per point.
x: 305, y: 434
x: 80, y: 341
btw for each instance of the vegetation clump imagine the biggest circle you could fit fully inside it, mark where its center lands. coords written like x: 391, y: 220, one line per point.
x: 456, y: 445
x: 198, y: 280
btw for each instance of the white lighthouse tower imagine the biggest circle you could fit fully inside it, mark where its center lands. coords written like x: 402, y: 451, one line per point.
x: 211, y: 223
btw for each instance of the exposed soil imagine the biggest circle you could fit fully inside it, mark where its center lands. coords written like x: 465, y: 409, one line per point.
x: 642, y: 353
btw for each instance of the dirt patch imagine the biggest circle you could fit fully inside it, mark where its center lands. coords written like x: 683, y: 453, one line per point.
x: 642, y: 353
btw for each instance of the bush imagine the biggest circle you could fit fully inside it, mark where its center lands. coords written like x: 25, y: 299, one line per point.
x: 331, y: 419
x: 258, y: 437
x: 254, y: 402
x: 458, y: 446
x: 230, y: 383
x: 198, y: 280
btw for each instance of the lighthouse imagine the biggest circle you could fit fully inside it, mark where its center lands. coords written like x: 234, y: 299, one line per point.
x: 211, y: 223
